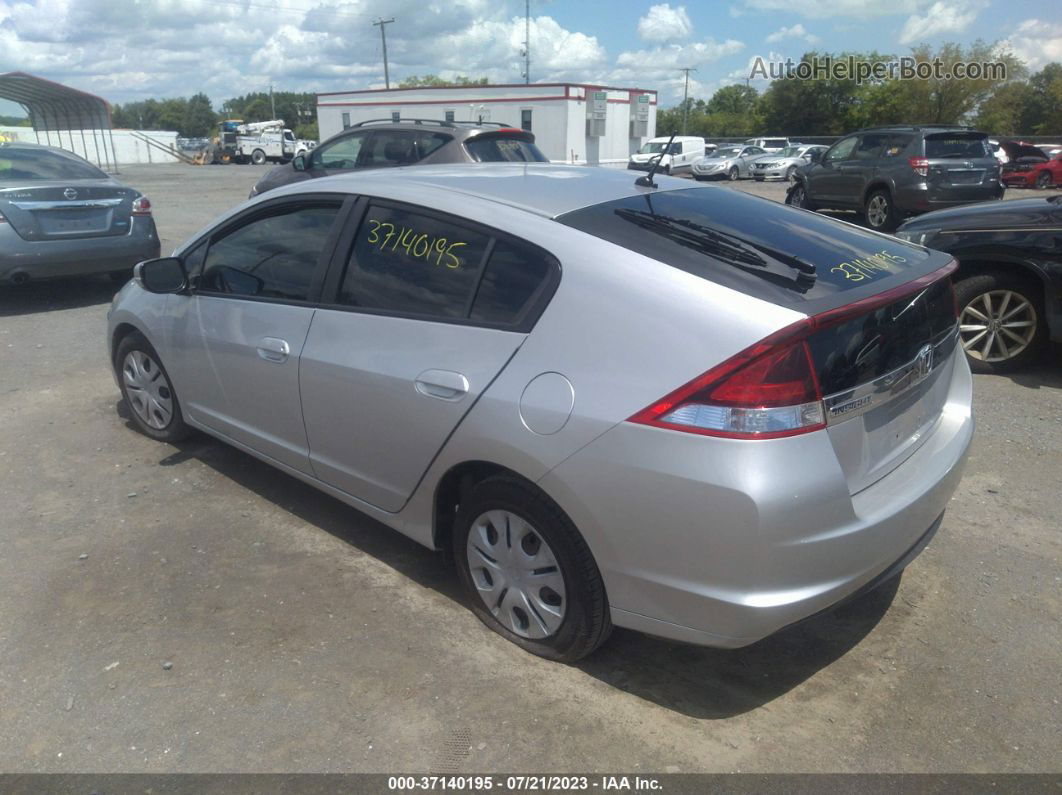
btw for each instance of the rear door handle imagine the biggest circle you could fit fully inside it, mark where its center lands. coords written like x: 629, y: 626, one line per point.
x: 273, y: 349
x: 442, y: 384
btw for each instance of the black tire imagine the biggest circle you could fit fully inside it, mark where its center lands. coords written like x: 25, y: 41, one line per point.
x: 122, y: 276
x: 733, y: 174
x: 1044, y: 180
x: 258, y: 157
x: 880, y: 217
x: 175, y: 429
x: 971, y: 291
x: 586, y: 623
x: 797, y: 196
x: 790, y: 174
x: 667, y: 170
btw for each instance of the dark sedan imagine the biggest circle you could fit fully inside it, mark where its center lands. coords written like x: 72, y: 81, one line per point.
x: 1009, y: 284
x: 62, y: 216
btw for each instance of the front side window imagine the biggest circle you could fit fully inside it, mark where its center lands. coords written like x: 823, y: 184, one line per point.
x: 842, y: 150
x: 406, y: 262
x: 870, y: 146
x: 274, y: 256
x: 339, y: 155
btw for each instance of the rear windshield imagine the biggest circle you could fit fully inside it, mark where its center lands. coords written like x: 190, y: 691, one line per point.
x: 951, y: 145
x: 25, y: 163
x: 754, y: 245
x: 494, y: 149
x: 774, y: 143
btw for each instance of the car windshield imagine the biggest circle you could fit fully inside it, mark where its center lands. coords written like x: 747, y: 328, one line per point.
x: 790, y: 151
x: 493, y: 149
x: 774, y: 142
x: 652, y: 148
x: 26, y: 163
x: 732, y: 151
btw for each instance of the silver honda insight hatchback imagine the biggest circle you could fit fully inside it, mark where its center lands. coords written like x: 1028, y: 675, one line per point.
x: 675, y: 408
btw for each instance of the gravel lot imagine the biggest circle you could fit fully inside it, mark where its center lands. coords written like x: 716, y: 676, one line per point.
x: 303, y: 636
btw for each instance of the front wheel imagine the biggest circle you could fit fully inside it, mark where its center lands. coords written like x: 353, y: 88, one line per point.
x: 258, y: 157
x: 147, y: 390
x: 1001, y: 321
x: 798, y: 197
x: 528, y: 572
x: 880, y: 213
x: 1044, y: 180
x: 790, y: 174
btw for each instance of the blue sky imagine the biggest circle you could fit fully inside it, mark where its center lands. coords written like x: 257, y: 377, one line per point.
x: 133, y: 49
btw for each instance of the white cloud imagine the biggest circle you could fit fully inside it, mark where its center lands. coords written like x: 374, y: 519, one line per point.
x: 132, y: 49
x: 944, y: 16
x: 797, y: 31
x: 664, y: 23
x: 678, y: 56
x: 1035, y: 42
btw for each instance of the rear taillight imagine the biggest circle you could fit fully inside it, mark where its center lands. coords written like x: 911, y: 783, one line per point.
x: 919, y: 165
x: 770, y: 389
x: 766, y: 391
x: 2, y: 219
x: 141, y: 205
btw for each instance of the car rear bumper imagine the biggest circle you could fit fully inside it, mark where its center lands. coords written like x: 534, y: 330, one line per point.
x: 722, y: 542
x: 921, y: 199
x: 1020, y: 180
x: 46, y: 259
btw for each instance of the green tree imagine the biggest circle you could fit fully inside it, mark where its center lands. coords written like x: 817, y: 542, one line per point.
x: 735, y: 99
x: 200, y: 119
x: 415, y: 81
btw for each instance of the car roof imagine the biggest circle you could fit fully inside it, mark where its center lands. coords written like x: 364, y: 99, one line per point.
x: 545, y: 189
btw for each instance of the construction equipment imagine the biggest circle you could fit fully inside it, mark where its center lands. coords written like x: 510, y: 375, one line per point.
x: 257, y: 142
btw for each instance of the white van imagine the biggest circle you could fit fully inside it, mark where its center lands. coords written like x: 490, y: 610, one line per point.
x: 684, y: 150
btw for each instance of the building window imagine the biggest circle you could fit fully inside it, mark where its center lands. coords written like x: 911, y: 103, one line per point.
x: 396, y: 115
x: 449, y: 115
x: 525, y: 119
x: 346, y: 120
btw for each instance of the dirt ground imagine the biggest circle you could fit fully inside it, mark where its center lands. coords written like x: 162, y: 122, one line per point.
x: 302, y: 636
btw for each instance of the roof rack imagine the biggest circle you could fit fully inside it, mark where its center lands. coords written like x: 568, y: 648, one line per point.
x: 916, y: 127
x: 436, y: 122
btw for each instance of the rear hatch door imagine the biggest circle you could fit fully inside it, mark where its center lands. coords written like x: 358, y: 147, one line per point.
x: 961, y: 166
x: 886, y: 337
x: 57, y: 211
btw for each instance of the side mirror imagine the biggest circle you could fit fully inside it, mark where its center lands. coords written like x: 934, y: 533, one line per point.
x: 299, y: 163
x: 165, y: 275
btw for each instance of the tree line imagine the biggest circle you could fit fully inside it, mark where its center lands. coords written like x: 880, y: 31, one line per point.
x: 1020, y: 103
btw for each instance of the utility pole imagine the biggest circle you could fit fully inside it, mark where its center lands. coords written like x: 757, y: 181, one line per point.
x: 685, y: 97
x: 383, y: 23
x: 272, y: 102
x: 527, y: 41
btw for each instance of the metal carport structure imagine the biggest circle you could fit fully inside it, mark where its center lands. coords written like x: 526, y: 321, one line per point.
x: 54, y: 109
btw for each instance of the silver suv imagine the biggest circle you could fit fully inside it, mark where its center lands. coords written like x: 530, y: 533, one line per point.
x: 384, y: 143
x: 892, y: 172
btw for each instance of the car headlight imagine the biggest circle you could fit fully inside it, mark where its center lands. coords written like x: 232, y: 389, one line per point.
x: 916, y: 236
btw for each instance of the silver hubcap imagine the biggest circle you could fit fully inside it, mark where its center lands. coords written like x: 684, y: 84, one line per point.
x: 516, y: 574
x: 147, y: 389
x: 877, y: 210
x: 997, y: 325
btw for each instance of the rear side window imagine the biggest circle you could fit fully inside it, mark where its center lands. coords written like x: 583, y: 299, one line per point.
x: 951, y: 145
x: 411, y: 263
x: 495, y: 149
x: 895, y: 145
x: 400, y: 147
x: 275, y: 256
x: 513, y: 277
x: 25, y: 163
x: 753, y: 245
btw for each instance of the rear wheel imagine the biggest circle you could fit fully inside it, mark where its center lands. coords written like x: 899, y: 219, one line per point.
x: 258, y: 157
x: 879, y: 212
x: 1043, y: 180
x: 147, y: 390
x: 528, y: 572
x: 1001, y: 321
x: 733, y: 174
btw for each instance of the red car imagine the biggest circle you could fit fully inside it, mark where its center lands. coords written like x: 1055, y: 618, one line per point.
x: 1030, y: 166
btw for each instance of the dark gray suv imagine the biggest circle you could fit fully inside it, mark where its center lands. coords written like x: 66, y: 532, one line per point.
x: 892, y: 172
x: 383, y: 143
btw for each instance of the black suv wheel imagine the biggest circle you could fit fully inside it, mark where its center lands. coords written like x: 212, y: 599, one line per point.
x: 880, y: 212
